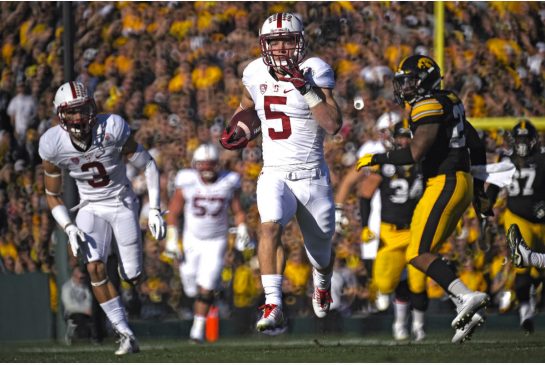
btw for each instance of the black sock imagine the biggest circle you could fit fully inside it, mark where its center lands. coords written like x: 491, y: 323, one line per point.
x: 441, y: 273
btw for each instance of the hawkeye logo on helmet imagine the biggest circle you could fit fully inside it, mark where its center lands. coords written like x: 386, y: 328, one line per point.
x: 425, y: 63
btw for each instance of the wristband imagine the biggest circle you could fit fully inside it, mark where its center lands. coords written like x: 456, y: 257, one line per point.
x: 397, y: 157
x: 312, y: 98
x: 60, y: 213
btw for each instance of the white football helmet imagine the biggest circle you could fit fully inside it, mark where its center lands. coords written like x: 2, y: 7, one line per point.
x: 76, y: 109
x: 282, y: 26
x: 206, y: 161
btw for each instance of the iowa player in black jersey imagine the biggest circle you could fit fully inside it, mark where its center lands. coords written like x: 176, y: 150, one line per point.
x: 442, y: 141
x: 400, y: 189
x: 526, y: 209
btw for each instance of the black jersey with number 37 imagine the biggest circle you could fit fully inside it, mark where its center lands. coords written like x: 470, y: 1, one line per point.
x: 527, y: 190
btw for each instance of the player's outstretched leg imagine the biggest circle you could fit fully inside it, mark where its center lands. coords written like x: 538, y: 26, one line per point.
x: 520, y: 252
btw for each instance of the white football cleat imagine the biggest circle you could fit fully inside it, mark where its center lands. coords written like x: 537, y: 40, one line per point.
x: 271, y: 321
x: 526, y: 314
x: 418, y: 332
x: 464, y: 334
x: 382, y: 301
x: 321, y: 300
x: 127, y: 344
x: 400, y: 331
x: 467, y: 305
x: 520, y: 252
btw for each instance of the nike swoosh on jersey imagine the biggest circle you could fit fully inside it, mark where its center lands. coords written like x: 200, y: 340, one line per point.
x: 287, y: 91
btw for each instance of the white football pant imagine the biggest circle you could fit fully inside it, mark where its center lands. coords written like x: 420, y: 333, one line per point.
x: 99, y: 219
x: 307, y: 195
x: 202, y: 263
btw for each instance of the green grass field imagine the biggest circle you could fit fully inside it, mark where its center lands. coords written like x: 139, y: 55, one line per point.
x: 486, y: 346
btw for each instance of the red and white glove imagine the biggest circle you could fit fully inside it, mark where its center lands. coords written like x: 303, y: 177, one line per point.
x: 230, y: 141
x: 296, y: 77
x: 298, y: 80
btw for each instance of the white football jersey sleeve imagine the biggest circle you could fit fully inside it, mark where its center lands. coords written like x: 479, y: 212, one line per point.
x: 291, y: 136
x: 99, y: 172
x: 206, y: 205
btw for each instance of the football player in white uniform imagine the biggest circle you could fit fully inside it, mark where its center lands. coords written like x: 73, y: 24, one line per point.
x: 92, y: 147
x: 204, y: 194
x: 293, y: 97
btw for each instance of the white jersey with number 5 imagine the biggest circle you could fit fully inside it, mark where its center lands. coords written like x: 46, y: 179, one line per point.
x: 206, y: 205
x: 99, y: 172
x: 291, y: 136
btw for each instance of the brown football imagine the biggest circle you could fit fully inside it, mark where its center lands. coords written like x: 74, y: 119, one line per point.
x: 246, y: 122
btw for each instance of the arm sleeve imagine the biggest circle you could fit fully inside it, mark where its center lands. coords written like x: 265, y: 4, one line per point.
x: 365, y: 211
x: 477, y: 152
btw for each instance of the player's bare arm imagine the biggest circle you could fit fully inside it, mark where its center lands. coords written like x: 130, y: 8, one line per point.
x: 53, y: 184
x: 327, y: 113
x: 423, y: 139
x: 175, y: 208
x: 236, y: 209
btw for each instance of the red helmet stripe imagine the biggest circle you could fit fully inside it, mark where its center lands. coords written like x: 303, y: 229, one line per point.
x: 279, y: 20
x: 73, y: 89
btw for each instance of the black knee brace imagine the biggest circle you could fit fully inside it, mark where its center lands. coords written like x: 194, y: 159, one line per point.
x: 402, y: 291
x: 206, y: 298
x: 419, y: 301
x: 522, y: 287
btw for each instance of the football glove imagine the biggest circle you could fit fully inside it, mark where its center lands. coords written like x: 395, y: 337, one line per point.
x: 229, y: 143
x: 75, y: 235
x: 172, y: 249
x: 341, y: 220
x: 243, y: 237
x: 482, y: 205
x: 156, y: 224
x: 539, y: 209
x: 365, y: 160
x: 367, y: 235
x: 296, y: 77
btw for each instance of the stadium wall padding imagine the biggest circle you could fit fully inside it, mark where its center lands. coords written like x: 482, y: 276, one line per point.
x: 25, y: 312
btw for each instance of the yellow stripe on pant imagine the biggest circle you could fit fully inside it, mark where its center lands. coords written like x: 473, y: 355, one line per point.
x: 390, y: 261
x: 443, y: 203
x: 533, y: 234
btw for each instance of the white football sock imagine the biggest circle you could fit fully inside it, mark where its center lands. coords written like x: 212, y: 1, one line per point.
x: 537, y: 260
x: 321, y: 281
x: 272, y: 286
x: 457, y: 287
x: 197, y: 329
x: 401, y: 310
x: 418, y: 319
x: 116, y: 314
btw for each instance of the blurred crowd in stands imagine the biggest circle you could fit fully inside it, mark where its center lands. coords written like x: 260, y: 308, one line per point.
x: 173, y: 69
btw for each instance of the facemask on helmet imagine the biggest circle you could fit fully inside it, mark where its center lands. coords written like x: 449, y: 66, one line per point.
x: 525, y: 138
x: 384, y: 126
x: 402, y: 134
x: 206, y: 161
x: 288, y: 28
x: 76, y: 110
x: 416, y: 76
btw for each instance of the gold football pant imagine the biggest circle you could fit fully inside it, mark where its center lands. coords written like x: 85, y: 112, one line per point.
x: 533, y: 234
x: 390, y: 261
x: 443, y: 203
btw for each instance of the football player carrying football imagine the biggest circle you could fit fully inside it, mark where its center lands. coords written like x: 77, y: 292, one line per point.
x: 445, y: 144
x: 203, y: 194
x: 524, y: 217
x: 92, y: 147
x: 293, y: 97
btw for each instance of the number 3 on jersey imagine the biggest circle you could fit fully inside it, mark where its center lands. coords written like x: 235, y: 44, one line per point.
x: 285, y: 132
x: 100, y: 176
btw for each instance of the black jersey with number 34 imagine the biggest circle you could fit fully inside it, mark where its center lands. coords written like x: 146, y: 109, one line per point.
x: 400, y: 190
x: 527, y: 190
